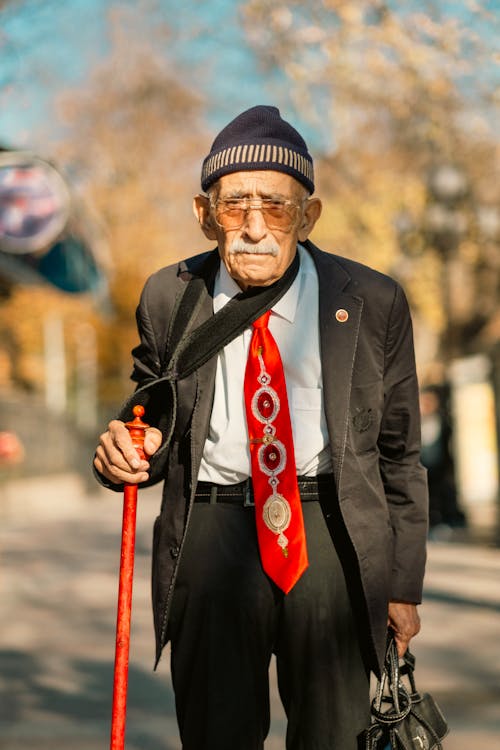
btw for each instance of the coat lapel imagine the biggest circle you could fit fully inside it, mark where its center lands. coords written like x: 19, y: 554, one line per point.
x: 205, y: 384
x: 198, y: 388
x: 339, y: 321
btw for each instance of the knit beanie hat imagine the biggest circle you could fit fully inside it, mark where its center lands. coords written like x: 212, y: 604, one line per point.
x: 258, y: 139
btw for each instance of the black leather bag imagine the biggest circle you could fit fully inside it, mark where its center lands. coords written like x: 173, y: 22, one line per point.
x: 402, y: 718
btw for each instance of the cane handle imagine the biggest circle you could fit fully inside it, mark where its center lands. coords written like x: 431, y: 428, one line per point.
x: 137, y: 429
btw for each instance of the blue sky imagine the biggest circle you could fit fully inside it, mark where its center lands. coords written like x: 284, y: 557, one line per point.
x: 49, y: 46
x: 43, y: 52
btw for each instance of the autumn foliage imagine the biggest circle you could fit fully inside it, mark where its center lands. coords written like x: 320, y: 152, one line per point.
x: 394, y: 91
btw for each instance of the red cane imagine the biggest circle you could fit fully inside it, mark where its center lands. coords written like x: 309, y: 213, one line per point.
x: 120, y: 683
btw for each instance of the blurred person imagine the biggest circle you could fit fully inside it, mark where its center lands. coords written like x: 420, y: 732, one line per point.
x: 11, y: 449
x: 437, y: 456
x: 285, y: 425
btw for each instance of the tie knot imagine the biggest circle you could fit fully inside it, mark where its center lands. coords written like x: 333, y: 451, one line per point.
x: 262, y: 321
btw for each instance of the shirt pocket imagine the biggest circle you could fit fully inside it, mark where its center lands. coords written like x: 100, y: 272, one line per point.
x: 308, y: 423
x: 306, y: 399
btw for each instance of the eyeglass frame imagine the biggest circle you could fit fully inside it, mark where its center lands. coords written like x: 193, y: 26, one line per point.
x: 250, y: 207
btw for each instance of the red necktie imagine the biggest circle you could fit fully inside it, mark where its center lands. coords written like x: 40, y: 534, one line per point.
x: 278, y: 509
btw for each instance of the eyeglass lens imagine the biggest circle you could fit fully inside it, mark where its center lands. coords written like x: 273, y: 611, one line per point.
x: 276, y: 214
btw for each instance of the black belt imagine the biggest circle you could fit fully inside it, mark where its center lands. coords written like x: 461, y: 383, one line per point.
x: 242, y: 493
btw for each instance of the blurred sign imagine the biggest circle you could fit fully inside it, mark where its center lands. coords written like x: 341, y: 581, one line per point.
x: 34, y: 203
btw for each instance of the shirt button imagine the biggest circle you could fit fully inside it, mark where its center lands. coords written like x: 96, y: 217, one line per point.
x: 174, y: 551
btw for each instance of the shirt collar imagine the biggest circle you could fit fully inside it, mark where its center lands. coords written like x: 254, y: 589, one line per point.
x: 286, y: 307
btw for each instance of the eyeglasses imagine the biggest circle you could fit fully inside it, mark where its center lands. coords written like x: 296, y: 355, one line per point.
x: 232, y: 213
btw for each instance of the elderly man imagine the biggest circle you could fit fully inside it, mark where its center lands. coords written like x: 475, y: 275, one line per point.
x: 280, y: 383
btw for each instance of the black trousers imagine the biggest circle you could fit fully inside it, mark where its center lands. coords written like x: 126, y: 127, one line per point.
x: 228, y: 618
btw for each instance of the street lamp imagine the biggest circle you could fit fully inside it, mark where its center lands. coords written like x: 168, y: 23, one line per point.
x: 470, y: 382
x: 445, y: 223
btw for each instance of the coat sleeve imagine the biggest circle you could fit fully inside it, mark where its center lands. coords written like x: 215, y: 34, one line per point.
x: 146, y: 355
x: 404, y: 478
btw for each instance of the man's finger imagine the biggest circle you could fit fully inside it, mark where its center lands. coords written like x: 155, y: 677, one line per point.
x: 116, y: 457
x: 111, y: 456
x: 402, y: 645
x: 120, y: 438
x: 152, y: 440
x: 405, y: 622
x: 115, y: 474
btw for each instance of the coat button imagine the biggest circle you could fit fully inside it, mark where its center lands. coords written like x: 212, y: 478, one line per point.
x: 174, y: 551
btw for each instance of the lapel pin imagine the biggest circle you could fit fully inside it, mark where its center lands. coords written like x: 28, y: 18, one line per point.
x: 342, y: 315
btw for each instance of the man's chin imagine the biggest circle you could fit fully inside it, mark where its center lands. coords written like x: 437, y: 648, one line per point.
x: 255, y: 280
x: 256, y: 277
x: 254, y: 270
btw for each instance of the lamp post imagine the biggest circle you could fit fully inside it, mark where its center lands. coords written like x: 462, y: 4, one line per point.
x: 475, y: 382
x: 469, y: 300
x: 445, y: 223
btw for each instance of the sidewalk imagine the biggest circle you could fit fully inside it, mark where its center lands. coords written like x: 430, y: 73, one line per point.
x: 464, y: 574
x: 59, y: 555
x: 458, y: 650
x: 60, y: 551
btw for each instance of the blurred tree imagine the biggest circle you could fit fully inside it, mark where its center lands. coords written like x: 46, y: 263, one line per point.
x: 402, y: 90
x: 134, y: 147
x: 394, y: 76
x: 131, y: 153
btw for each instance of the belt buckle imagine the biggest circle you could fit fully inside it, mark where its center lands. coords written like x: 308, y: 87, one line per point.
x: 248, y: 502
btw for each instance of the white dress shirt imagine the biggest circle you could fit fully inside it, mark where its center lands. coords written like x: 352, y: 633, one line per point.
x: 294, y: 325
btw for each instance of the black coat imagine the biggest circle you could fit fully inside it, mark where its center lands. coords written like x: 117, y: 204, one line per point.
x: 379, y: 521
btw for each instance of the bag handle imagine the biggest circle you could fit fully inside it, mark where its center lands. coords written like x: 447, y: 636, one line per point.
x: 408, y: 670
x: 398, y: 694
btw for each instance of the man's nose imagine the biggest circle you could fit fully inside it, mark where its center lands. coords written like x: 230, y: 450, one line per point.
x: 255, y: 228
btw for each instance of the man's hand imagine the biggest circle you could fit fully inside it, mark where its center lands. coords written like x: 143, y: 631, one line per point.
x: 117, y: 459
x: 405, y: 622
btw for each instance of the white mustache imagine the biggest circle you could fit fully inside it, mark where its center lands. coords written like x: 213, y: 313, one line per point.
x: 267, y: 248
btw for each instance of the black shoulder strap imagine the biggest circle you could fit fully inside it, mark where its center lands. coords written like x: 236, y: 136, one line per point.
x: 187, y: 308
x: 192, y: 350
x: 184, y: 313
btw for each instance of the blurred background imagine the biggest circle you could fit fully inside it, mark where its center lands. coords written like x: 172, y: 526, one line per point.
x: 106, y: 112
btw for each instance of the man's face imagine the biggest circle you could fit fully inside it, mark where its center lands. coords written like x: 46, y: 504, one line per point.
x: 254, y: 253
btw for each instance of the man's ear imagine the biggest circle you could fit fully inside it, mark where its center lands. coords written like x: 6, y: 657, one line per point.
x: 201, y: 209
x: 312, y: 212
